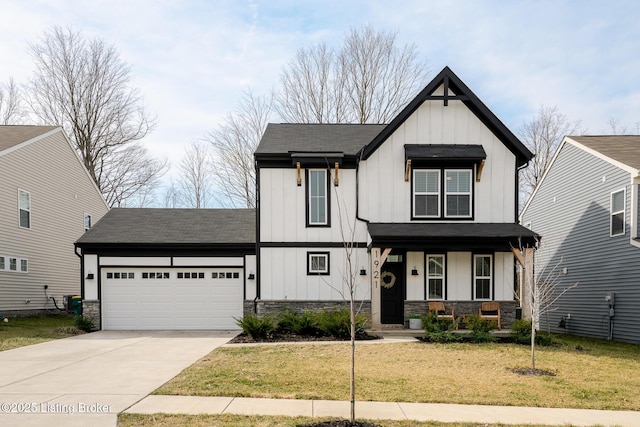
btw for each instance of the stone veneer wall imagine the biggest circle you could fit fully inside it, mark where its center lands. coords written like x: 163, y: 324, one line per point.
x: 507, y: 309
x: 91, y: 309
x: 273, y: 307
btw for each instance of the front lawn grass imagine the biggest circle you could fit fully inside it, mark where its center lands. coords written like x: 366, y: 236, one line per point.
x: 23, y: 331
x: 590, y: 373
x: 165, y: 420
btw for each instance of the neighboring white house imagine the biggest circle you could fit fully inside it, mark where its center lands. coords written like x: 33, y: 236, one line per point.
x: 586, y: 209
x: 47, y: 200
x: 435, y: 191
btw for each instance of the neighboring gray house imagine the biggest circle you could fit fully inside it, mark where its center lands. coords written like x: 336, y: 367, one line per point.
x: 586, y: 209
x: 47, y: 200
x: 169, y: 268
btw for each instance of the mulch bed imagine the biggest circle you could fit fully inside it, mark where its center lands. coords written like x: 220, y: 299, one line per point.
x: 340, y: 423
x: 243, y: 338
x: 533, y: 372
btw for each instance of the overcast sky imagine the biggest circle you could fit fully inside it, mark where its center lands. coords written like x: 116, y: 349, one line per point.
x: 192, y: 59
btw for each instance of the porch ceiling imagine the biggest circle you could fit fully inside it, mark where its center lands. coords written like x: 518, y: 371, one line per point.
x: 451, y: 236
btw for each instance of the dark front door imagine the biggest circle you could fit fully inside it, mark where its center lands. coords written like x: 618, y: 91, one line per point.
x: 392, y: 290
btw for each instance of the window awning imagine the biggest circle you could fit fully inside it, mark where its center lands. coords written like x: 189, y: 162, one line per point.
x: 444, y: 153
x: 451, y: 236
x: 317, y: 158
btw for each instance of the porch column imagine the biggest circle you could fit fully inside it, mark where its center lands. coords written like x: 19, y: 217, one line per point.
x: 377, y: 260
x: 526, y: 260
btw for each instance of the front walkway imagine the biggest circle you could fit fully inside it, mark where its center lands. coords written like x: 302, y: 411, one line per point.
x: 384, y: 411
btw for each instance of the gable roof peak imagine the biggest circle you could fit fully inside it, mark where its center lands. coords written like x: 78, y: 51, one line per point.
x: 454, y: 89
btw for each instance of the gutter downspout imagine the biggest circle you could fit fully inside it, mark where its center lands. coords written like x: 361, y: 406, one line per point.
x: 81, y: 256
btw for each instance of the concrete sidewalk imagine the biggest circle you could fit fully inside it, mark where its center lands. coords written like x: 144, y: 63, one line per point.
x: 384, y: 411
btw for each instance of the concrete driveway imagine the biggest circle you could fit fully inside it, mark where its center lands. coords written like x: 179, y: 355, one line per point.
x: 88, y: 379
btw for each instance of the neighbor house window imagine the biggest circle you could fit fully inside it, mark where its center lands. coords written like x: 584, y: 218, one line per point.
x: 617, y: 213
x: 2, y: 263
x: 24, y: 266
x: 482, y: 276
x: 426, y: 193
x: 318, y: 204
x: 435, y: 276
x: 24, y: 208
x: 13, y: 264
x: 317, y: 262
x: 87, y: 222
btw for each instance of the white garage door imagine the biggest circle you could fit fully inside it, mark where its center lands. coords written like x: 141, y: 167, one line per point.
x: 171, y: 298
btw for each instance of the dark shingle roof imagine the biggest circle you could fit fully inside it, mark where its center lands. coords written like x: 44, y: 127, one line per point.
x: 622, y: 148
x: 467, y: 235
x: 286, y: 138
x: 15, y: 134
x: 131, y: 226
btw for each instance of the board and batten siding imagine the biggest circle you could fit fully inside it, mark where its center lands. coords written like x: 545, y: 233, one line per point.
x: 61, y: 193
x: 283, y: 207
x: 284, y: 275
x: 386, y: 197
x: 571, y: 211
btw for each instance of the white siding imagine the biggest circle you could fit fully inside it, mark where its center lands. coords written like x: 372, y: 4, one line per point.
x: 61, y: 192
x: 386, y: 197
x: 250, y: 285
x: 283, y: 208
x: 459, y: 276
x: 415, y: 284
x: 208, y: 261
x: 135, y: 261
x: 284, y: 275
x: 504, y: 276
x: 91, y: 285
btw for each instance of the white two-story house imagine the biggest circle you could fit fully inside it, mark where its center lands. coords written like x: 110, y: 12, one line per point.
x: 428, y: 202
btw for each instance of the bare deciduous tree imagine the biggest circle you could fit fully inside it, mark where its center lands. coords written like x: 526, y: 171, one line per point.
x: 368, y: 80
x: 615, y: 128
x: 233, y: 144
x: 542, y: 135
x: 11, y: 105
x: 84, y: 86
x: 194, y: 181
x: 172, y: 196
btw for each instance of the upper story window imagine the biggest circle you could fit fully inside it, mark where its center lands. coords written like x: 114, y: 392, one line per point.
x: 426, y: 193
x: 458, y: 193
x: 317, y: 200
x: 87, y: 222
x: 439, y: 193
x: 24, y: 208
x: 617, y: 212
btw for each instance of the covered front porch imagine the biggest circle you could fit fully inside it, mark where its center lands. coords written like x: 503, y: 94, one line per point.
x: 459, y: 264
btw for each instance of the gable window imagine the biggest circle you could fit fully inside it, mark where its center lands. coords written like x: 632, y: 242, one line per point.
x: 482, y: 276
x: 317, y: 263
x: 24, y: 208
x: 458, y: 193
x: 435, y: 277
x: 426, y: 193
x: 617, y: 213
x: 317, y: 203
x: 439, y: 193
x: 87, y: 222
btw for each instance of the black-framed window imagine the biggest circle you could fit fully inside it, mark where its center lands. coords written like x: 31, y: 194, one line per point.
x: 442, y: 193
x: 617, y: 213
x: 482, y: 276
x: 317, y: 263
x: 435, y: 277
x: 318, y: 199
